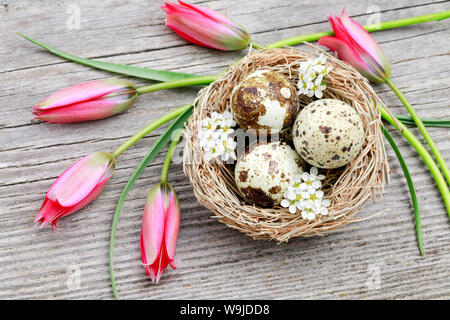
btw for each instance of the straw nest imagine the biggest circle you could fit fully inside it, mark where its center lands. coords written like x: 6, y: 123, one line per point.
x: 348, y: 188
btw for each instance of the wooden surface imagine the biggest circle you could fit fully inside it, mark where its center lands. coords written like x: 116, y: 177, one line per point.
x: 375, y: 258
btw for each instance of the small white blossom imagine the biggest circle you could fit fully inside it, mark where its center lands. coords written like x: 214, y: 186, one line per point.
x: 216, y: 136
x: 312, y: 180
x: 311, y: 77
x: 305, y: 195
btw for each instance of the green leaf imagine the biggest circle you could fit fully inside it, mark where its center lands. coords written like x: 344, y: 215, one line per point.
x: 412, y: 190
x: 144, y: 73
x: 162, y: 141
x: 427, y: 122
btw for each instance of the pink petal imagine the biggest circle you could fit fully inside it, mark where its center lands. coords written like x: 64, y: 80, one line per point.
x: 79, y: 93
x: 161, y: 266
x: 205, y: 27
x: 363, y: 39
x: 83, y: 111
x: 208, y: 13
x: 48, y: 212
x: 344, y: 51
x: 172, y: 226
x: 152, y: 230
x: 197, y: 30
x: 77, y: 182
x: 338, y: 28
x: 91, y: 197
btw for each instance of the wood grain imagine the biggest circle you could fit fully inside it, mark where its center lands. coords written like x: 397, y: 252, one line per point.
x: 216, y: 262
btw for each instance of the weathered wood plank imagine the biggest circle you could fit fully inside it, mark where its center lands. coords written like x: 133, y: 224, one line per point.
x: 216, y: 262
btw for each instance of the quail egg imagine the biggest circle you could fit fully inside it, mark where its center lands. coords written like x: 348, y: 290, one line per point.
x: 264, y: 100
x: 328, y: 133
x: 263, y: 173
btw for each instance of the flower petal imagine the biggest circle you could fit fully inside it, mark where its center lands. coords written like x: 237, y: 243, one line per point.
x: 349, y: 55
x: 292, y: 208
x: 77, y: 182
x: 205, y: 27
x: 48, y: 212
x: 152, y: 230
x: 284, y: 203
x: 172, y: 224
x: 84, y: 111
x: 207, y: 13
x: 81, y: 92
x: 363, y: 39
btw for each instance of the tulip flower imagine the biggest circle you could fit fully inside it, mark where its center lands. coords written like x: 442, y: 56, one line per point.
x: 356, y: 46
x: 76, y: 187
x: 205, y: 27
x: 86, y: 101
x: 159, y: 232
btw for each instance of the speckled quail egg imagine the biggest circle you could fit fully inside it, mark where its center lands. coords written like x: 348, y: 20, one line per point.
x: 263, y: 174
x: 264, y: 100
x: 328, y: 133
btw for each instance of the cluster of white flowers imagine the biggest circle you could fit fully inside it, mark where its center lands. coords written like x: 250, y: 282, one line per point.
x: 305, y: 194
x: 311, y: 77
x: 216, y: 136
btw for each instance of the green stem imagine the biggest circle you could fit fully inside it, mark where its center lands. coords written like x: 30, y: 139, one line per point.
x: 152, y: 126
x: 257, y: 45
x: 412, y: 190
x: 440, y: 160
x: 176, y: 84
x: 370, y: 28
x: 168, y: 159
x: 427, y: 158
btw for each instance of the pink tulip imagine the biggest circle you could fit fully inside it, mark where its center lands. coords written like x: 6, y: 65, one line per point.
x: 86, y: 101
x: 205, y: 27
x: 356, y: 46
x: 76, y: 187
x: 159, y: 232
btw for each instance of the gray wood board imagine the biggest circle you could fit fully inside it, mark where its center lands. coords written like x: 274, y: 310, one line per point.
x: 216, y: 261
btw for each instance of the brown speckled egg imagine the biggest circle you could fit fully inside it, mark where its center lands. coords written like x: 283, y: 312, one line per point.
x: 328, y: 133
x: 264, y: 100
x: 264, y: 173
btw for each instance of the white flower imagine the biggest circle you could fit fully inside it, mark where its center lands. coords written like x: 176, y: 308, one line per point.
x: 312, y: 180
x: 308, y: 214
x: 311, y: 77
x: 216, y: 136
x: 305, y: 194
x: 318, y: 87
x: 228, y: 145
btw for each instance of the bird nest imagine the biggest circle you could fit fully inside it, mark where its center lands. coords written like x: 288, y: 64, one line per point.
x: 347, y: 188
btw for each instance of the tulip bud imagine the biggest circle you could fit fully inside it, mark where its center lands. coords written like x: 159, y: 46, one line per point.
x: 160, y: 225
x: 86, y: 101
x: 356, y: 46
x: 205, y: 27
x: 76, y: 187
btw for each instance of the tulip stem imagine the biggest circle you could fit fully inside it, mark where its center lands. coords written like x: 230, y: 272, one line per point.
x: 427, y: 158
x: 440, y: 160
x: 201, y: 80
x: 369, y: 28
x: 152, y: 126
x: 168, y: 159
x: 256, y: 45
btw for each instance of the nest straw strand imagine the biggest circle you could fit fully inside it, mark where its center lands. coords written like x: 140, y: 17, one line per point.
x: 347, y: 188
